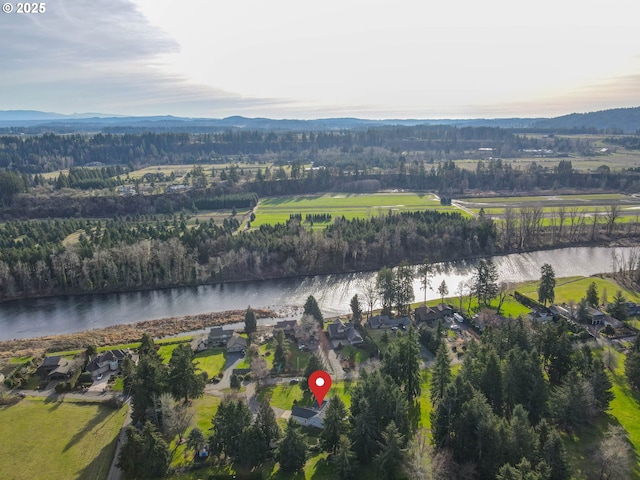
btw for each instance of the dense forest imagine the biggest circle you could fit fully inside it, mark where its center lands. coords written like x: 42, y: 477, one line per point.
x: 45, y: 153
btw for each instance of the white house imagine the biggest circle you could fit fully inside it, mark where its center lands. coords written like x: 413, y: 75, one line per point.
x: 310, y: 416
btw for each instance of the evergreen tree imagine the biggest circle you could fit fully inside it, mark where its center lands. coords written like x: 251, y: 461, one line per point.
x: 391, y: 454
x: 491, y: 382
x: 292, y: 452
x: 618, y: 309
x: 402, y: 363
x: 267, y: 423
x: 592, y: 295
x: 632, y: 365
x: 440, y: 374
x: 311, y: 308
x: 195, y: 440
x: 144, y: 454
x: 364, y: 432
x: 356, y: 309
x: 485, y: 278
x: 547, y: 284
x: 184, y: 381
x: 344, y: 461
x: 335, y: 424
x: 313, y: 364
x: 231, y: 418
x: 250, y: 322
x: 443, y: 290
x: 403, y: 288
x: 555, y: 455
x: 148, y: 383
x: 522, y: 442
x: 280, y: 355
x: 386, y: 286
x: 253, y: 446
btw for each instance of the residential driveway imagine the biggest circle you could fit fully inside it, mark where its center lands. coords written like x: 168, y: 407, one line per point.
x: 233, y: 359
x: 100, y: 386
x: 334, y: 365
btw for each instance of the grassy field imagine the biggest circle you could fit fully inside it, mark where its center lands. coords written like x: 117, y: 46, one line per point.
x: 57, y: 440
x: 277, y: 210
x: 574, y: 288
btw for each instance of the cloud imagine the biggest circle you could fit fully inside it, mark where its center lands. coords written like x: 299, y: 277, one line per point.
x: 103, y: 56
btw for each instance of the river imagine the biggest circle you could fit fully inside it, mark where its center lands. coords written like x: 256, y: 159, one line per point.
x: 66, y: 314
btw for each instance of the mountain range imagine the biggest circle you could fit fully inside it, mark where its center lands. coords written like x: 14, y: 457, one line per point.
x: 619, y: 120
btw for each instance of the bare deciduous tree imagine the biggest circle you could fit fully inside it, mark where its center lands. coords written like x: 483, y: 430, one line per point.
x: 614, y: 454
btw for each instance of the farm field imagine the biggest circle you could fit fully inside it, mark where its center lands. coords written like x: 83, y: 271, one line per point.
x: 73, y: 440
x: 277, y: 209
x: 616, y: 161
x: 586, y: 204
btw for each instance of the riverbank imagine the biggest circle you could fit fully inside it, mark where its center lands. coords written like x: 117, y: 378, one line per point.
x: 120, y: 334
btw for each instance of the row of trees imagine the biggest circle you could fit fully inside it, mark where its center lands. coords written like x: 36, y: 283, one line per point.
x: 118, y: 255
x: 160, y: 412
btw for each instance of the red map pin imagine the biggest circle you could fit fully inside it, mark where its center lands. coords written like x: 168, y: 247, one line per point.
x: 319, y: 384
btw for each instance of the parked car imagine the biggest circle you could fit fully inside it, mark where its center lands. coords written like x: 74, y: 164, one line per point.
x: 99, y: 377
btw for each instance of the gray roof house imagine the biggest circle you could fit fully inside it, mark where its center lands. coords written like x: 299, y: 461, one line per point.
x: 236, y: 344
x: 382, y: 321
x: 310, y: 416
x: 109, y: 361
x: 287, y: 326
x: 342, y: 334
x: 219, y: 336
x: 426, y: 314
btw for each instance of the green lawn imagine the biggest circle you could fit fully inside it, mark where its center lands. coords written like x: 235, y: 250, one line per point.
x: 57, y: 440
x: 211, y: 361
x: 574, y: 288
x: 579, y: 199
x: 625, y: 408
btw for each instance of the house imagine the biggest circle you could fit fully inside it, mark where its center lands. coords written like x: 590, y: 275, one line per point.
x: 49, y: 364
x: 382, y: 321
x: 288, y: 327
x: 109, y: 361
x: 199, y: 343
x: 425, y: 314
x: 342, y: 334
x: 310, y: 416
x: 236, y: 344
x: 563, y: 311
x: 64, y: 369
x: 597, y: 317
x: 219, y: 337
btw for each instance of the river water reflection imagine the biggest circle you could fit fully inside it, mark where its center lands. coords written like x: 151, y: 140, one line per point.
x: 65, y: 314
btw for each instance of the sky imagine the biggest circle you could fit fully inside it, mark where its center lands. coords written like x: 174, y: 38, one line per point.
x: 317, y: 59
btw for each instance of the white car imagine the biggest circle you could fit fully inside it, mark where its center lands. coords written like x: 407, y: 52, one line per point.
x: 99, y: 377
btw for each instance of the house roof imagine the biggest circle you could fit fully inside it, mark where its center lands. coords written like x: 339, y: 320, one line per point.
x: 51, y: 361
x: 237, y: 340
x: 286, y: 324
x: 308, y: 412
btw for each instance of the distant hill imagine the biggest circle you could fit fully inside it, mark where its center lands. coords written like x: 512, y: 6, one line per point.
x: 620, y: 119
x: 624, y: 119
